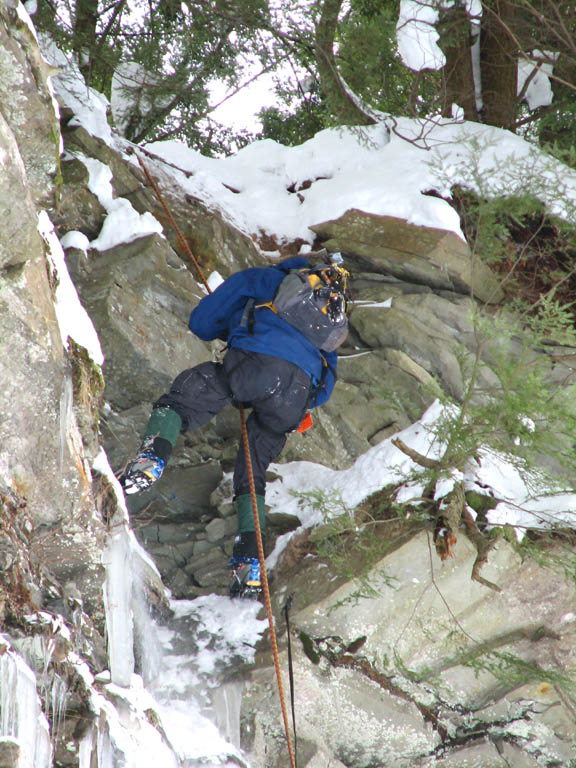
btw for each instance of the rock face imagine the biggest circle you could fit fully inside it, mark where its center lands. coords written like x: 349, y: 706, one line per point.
x: 434, y: 257
x: 42, y: 459
x: 428, y: 671
x: 438, y: 669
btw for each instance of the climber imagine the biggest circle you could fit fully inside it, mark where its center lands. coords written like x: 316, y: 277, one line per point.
x: 282, y: 325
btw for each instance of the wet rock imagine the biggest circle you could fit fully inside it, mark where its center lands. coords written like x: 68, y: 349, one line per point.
x: 146, y: 343
x: 209, y: 570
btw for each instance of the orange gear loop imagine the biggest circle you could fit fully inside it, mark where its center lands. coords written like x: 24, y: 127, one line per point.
x: 258, y: 530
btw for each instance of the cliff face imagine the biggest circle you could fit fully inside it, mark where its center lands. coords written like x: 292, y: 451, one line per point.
x: 44, y: 478
x: 437, y: 670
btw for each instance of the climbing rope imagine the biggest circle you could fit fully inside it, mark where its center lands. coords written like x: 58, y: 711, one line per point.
x: 173, y: 222
x: 248, y: 459
x: 265, y: 586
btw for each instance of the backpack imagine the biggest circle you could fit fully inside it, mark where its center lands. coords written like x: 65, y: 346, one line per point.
x: 314, y: 301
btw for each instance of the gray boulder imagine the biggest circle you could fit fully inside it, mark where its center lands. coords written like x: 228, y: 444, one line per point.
x: 433, y: 257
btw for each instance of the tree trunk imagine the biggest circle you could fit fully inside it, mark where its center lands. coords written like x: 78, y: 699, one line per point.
x: 499, y: 63
x: 457, y: 74
x: 85, y: 21
x: 340, y: 99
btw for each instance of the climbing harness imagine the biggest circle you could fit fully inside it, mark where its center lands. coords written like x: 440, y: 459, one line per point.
x: 257, y: 528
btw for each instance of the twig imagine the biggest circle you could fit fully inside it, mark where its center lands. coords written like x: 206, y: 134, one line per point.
x: 437, y: 588
x: 483, y: 546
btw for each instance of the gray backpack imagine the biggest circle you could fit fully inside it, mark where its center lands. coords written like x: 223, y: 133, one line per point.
x: 314, y: 302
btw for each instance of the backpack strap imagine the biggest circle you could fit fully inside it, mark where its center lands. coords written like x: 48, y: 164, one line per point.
x: 318, y: 386
x: 248, y: 315
x: 247, y: 319
x: 267, y: 305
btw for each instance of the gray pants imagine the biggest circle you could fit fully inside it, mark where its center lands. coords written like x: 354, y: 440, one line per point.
x: 276, y: 390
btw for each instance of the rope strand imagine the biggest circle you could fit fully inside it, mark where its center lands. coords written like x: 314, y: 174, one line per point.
x: 181, y: 237
x: 248, y: 459
x: 265, y: 586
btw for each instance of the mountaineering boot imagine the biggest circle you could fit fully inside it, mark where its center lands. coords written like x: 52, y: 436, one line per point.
x: 160, y: 435
x: 144, y: 470
x: 245, y: 578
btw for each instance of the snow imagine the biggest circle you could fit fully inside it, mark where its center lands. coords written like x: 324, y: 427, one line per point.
x: 24, y: 11
x: 123, y: 224
x: 219, y: 617
x: 373, y: 169
x: 226, y: 632
x: 365, y: 169
x: 73, y: 320
x: 384, y: 464
x: 417, y: 37
x: 90, y: 107
x: 416, y: 33
x: 214, y: 280
x: 539, y: 91
x: 417, y: 41
x: 74, y: 239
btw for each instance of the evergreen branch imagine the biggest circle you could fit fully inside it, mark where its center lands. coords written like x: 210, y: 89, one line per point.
x: 118, y: 9
x: 521, y: 49
x: 343, y: 103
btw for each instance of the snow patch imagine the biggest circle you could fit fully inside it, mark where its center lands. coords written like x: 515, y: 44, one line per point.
x: 123, y: 224
x: 73, y: 320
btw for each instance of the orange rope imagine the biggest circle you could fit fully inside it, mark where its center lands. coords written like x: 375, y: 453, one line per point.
x: 248, y: 459
x: 265, y: 586
x: 172, y: 221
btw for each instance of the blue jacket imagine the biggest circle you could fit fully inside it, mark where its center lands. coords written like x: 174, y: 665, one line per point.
x: 220, y: 316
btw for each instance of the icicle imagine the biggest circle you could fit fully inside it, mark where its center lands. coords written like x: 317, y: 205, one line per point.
x: 117, y: 559
x: 21, y: 717
x: 127, y: 614
x: 58, y: 698
x: 148, y: 647
x: 227, y: 702
x: 85, y: 749
x: 105, y: 750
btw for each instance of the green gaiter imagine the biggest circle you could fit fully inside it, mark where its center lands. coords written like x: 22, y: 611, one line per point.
x: 246, y: 515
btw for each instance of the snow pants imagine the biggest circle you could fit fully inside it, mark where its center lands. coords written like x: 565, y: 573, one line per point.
x: 277, y: 391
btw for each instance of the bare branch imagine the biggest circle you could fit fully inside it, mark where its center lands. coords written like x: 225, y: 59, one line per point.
x: 418, y: 458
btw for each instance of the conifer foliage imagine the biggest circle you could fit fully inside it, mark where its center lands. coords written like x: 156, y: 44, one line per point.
x: 333, y: 63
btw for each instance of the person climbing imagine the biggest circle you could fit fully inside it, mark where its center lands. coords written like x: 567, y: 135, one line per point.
x: 282, y: 325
